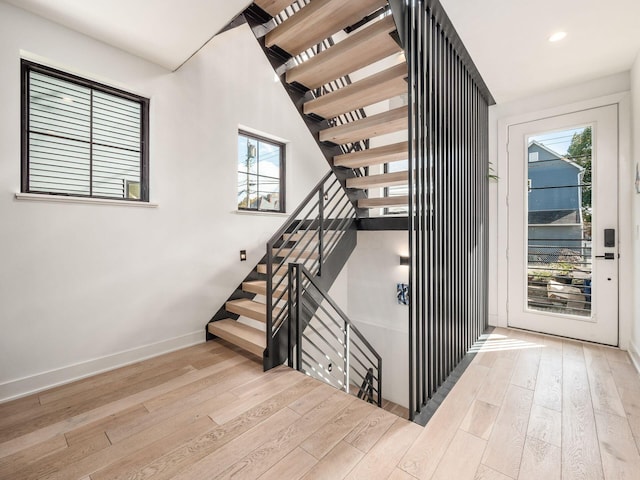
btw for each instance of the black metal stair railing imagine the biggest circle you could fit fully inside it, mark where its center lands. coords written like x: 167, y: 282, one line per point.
x: 324, y: 344
x: 317, y: 229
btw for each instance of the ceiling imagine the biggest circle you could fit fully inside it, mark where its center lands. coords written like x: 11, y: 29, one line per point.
x: 508, y: 41
x: 506, y: 38
x: 167, y: 34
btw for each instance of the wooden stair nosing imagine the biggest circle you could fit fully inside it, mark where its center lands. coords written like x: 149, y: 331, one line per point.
x: 318, y: 20
x: 246, y: 337
x: 259, y: 287
x: 247, y: 308
x: 373, y: 156
x: 358, y: 50
x: 294, y: 237
x: 380, y: 124
x: 262, y: 268
x: 297, y: 253
x: 383, y: 180
x: 380, y: 86
x: 273, y: 7
x: 382, y: 202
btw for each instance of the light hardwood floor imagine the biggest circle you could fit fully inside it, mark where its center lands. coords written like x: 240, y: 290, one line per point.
x: 527, y: 407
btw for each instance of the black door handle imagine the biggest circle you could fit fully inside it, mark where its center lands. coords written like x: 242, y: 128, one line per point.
x: 607, y: 256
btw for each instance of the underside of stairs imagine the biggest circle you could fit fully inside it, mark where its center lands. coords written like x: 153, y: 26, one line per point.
x: 344, y: 69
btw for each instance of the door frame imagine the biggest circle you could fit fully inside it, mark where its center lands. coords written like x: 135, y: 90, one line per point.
x: 499, y: 214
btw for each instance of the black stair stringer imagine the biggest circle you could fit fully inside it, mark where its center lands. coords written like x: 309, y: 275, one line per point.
x: 331, y: 268
x: 278, y: 58
x: 238, y: 293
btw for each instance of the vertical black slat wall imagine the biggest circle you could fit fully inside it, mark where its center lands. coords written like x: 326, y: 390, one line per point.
x: 448, y: 178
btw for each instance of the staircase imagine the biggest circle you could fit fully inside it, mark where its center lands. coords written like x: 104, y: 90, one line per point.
x: 344, y: 69
x: 319, y: 235
x: 349, y: 87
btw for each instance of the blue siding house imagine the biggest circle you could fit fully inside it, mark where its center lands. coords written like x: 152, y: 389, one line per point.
x: 554, y: 201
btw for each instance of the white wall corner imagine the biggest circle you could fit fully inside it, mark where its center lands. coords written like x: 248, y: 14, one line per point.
x: 634, y: 353
x: 34, y: 383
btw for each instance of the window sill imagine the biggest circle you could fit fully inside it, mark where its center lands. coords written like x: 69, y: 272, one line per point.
x: 261, y: 213
x: 90, y: 201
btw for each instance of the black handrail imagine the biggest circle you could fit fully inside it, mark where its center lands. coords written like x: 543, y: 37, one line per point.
x: 304, y: 289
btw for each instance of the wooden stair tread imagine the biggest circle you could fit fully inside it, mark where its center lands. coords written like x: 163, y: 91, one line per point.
x: 294, y: 237
x: 246, y: 337
x: 319, y: 20
x: 358, y: 50
x: 382, y: 180
x: 373, y: 156
x: 391, y: 121
x: 382, y: 202
x: 262, y: 268
x: 273, y: 7
x: 247, y: 308
x: 297, y: 253
x: 373, y: 89
x: 259, y: 287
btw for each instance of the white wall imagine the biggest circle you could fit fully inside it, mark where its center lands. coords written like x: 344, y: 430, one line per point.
x: 634, y: 345
x: 587, y: 95
x: 87, y: 287
x: 373, y: 271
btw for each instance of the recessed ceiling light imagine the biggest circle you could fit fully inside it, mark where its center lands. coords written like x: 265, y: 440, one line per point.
x: 556, y: 37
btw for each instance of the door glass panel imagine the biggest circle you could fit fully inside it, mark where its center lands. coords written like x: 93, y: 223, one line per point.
x: 559, y: 222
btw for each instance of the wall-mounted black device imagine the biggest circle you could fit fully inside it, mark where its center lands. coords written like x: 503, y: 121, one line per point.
x: 609, y: 237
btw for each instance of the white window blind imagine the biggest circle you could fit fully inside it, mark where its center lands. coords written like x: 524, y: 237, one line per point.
x: 82, y: 140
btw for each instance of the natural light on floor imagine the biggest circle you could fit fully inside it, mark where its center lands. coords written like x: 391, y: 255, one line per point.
x: 493, y: 342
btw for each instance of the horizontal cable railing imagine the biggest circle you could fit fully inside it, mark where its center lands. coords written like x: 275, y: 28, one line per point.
x: 559, y: 272
x: 309, y: 236
x: 324, y: 344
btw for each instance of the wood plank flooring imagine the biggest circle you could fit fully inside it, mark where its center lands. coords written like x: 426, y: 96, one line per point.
x: 528, y: 407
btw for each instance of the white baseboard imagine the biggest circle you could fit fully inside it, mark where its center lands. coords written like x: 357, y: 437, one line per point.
x: 634, y: 353
x: 52, y: 378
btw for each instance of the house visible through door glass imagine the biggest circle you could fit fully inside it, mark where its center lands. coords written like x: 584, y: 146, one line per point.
x: 559, y: 222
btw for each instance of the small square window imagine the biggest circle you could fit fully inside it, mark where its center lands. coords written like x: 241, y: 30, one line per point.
x: 533, y: 156
x: 81, y: 138
x: 260, y: 174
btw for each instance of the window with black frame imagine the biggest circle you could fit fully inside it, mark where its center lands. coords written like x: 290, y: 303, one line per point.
x: 81, y: 138
x: 260, y: 173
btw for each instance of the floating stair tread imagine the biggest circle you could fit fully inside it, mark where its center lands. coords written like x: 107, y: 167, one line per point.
x: 294, y: 237
x: 384, y: 180
x: 373, y: 89
x: 373, y: 156
x: 262, y: 268
x: 246, y: 337
x: 273, y: 7
x: 248, y: 308
x: 382, y: 202
x: 358, y: 50
x: 259, y: 287
x: 319, y: 20
x: 297, y: 253
x: 391, y: 121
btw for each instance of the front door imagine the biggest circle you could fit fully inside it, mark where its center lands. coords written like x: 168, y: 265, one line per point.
x: 563, y: 225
